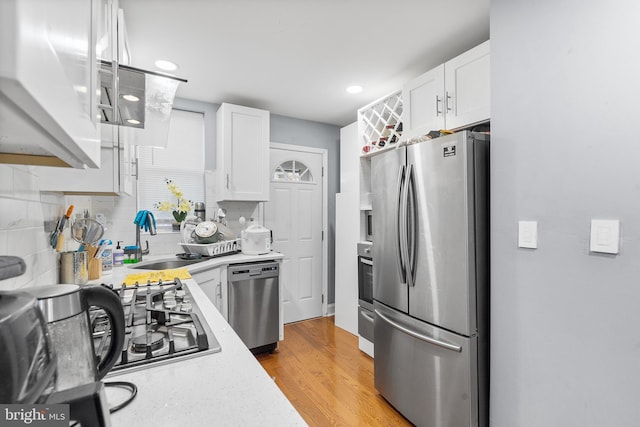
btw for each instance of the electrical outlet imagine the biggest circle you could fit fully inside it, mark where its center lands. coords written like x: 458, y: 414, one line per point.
x: 605, y: 236
x: 528, y: 234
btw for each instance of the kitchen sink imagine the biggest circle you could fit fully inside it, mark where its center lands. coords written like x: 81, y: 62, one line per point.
x: 167, y: 263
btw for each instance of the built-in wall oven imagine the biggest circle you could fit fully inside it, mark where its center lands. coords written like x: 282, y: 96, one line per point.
x: 365, y: 291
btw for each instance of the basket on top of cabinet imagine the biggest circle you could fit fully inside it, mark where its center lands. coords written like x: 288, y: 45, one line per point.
x: 379, y: 123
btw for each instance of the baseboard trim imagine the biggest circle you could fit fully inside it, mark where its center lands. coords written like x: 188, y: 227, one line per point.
x: 331, y: 310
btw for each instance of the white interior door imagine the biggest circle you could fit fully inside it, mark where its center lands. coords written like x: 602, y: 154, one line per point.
x: 294, y: 214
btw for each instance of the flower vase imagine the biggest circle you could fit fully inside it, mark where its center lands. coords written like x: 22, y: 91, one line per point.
x: 175, y: 225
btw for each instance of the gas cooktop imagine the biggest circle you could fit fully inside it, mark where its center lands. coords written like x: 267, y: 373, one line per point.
x: 162, y: 324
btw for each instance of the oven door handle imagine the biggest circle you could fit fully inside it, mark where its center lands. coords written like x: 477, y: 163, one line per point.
x: 366, y: 316
x: 366, y: 261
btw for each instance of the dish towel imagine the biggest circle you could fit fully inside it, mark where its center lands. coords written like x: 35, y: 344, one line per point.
x: 154, y: 276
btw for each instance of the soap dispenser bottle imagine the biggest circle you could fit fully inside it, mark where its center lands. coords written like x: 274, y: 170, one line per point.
x: 118, y: 255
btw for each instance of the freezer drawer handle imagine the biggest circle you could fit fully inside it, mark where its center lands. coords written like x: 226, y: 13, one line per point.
x: 419, y: 336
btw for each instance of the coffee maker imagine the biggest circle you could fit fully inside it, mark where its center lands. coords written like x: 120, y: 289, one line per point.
x: 27, y: 359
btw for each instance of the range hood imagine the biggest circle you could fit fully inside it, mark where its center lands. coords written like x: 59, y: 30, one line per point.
x: 140, y: 101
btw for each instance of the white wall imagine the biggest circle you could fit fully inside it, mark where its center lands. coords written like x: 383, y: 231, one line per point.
x: 565, y: 344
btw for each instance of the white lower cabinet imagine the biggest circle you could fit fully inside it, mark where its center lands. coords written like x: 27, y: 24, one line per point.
x: 213, y: 283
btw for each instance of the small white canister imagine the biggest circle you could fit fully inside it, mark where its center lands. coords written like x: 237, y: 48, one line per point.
x: 256, y: 240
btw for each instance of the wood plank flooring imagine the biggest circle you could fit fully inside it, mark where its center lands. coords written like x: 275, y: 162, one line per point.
x: 327, y: 378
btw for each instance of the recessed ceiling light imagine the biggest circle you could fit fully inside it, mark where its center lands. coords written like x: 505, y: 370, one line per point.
x: 131, y: 98
x: 133, y: 121
x: 163, y: 64
x: 354, y: 89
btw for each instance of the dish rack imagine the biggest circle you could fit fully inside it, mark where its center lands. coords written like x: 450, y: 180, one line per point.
x: 212, y: 249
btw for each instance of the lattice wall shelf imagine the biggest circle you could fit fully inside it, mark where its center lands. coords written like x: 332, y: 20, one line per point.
x: 380, y: 123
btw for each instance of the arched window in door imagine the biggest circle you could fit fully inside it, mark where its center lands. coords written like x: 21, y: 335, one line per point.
x: 292, y: 171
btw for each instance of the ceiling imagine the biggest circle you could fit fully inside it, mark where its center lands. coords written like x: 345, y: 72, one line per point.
x: 296, y: 57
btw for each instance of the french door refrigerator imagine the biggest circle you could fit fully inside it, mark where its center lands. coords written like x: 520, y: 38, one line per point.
x: 430, y: 273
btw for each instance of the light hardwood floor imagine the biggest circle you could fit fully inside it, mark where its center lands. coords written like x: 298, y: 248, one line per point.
x: 327, y: 378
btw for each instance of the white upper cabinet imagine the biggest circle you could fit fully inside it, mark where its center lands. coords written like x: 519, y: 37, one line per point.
x: 453, y: 95
x: 467, y: 82
x: 114, y: 177
x: 117, y: 159
x: 48, y: 83
x: 424, y: 102
x: 242, y: 169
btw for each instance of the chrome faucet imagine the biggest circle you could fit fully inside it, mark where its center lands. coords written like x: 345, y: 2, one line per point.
x: 144, y: 219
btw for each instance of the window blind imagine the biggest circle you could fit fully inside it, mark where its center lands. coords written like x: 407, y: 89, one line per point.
x: 182, y: 162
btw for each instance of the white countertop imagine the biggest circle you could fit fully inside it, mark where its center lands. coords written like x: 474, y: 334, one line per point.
x: 229, y: 388
x: 118, y: 274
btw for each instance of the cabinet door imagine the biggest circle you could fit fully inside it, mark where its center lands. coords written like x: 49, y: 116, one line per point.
x: 346, y: 278
x: 48, y: 81
x: 467, y: 86
x: 423, y: 100
x: 242, y: 154
x: 210, y: 281
x: 114, y: 177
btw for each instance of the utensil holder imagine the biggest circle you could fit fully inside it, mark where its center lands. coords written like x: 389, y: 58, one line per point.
x: 74, y: 267
x: 95, y: 265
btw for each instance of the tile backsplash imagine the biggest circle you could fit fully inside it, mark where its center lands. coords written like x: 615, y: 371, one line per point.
x: 25, y: 210
x: 22, y: 231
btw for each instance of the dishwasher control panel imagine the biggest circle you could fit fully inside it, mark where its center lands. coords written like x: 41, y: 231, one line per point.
x: 238, y: 271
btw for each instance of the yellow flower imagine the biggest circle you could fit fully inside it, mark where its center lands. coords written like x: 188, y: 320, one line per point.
x: 179, y: 209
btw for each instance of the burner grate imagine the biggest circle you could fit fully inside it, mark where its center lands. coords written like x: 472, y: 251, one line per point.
x: 162, y: 322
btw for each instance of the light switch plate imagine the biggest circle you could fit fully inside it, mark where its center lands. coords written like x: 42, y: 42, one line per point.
x: 528, y: 234
x: 605, y: 236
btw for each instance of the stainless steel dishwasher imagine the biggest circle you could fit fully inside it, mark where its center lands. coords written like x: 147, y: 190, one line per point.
x: 254, y: 304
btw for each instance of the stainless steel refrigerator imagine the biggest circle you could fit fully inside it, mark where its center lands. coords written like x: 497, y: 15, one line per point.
x: 430, y: 279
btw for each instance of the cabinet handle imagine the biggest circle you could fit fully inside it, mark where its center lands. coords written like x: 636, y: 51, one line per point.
x: 134, y: 163
x: 438, y: 101
x: 449, y: 109
x: 116, y: 92
x: 227, y: 181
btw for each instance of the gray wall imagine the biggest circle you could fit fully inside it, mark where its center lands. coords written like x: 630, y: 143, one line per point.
x: 287, y: 130
x: 565, y: 322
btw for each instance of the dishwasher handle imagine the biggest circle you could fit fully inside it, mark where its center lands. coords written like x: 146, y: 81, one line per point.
x: 241, y: 272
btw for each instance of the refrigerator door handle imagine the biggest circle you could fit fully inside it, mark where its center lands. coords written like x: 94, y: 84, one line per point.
x: 419, y: 336
x: 400, y: 225
x: 411, y: 226
x: 403, y: 227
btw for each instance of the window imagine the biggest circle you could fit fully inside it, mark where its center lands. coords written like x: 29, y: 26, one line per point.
x: 182, y: 162
x: 292, y: 171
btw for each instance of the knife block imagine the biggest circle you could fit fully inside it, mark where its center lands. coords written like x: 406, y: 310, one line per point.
x: 95, y: 265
